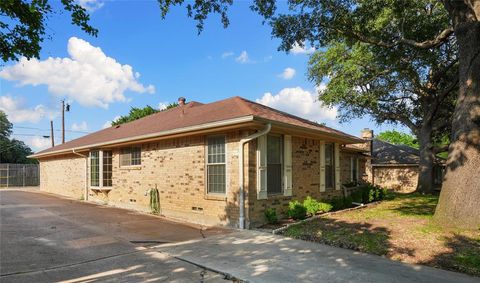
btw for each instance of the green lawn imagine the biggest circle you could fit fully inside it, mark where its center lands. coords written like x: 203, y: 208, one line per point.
x: 400, y: 229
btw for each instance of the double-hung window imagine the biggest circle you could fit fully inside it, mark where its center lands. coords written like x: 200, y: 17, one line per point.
x: 354, y: 168
x: 274, y: 164
x: 216, y: 165
x: 130, y: 156
x: 100, y: 168
x: 329, y: 165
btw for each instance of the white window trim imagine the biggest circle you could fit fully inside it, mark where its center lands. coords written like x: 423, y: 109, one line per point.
x: 227, y: 175
x: 100, y: 170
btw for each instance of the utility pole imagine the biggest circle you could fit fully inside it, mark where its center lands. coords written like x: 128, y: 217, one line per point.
x: 64, y: 108
x: 63, y: 120
x: 51, y: 133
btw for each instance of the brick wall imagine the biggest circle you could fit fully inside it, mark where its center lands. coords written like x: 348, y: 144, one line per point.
x: 401, y: 179
x: 63, y: 176
x: 305, y: 179
x: 176, y: 167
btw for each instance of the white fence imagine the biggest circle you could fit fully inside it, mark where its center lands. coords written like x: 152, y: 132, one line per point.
x: 19, y: 175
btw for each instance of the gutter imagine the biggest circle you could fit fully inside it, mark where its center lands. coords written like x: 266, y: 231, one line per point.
x: 241, y: 143
x: 86, y: 173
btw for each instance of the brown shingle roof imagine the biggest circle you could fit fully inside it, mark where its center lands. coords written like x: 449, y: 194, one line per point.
x: 192, y: 114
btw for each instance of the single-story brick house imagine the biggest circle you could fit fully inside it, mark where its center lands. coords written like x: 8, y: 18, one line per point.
x: 201, y: 157
x: 396, y: 167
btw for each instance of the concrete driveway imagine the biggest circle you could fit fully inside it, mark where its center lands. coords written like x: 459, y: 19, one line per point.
x: 45, y: 238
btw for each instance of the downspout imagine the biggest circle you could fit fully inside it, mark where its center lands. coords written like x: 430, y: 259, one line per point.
x: 86, y: 174
x: 241, y: 143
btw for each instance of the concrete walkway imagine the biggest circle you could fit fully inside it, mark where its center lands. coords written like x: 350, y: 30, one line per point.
x: 260, y: 257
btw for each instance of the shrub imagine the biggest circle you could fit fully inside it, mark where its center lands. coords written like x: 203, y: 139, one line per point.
x: 324, y: 207
x: 311, y: 205
x: 357, y: 196
x: 296, y: 210
x: 347, y: 201
x: 271, y: 215
x: 337, y: 203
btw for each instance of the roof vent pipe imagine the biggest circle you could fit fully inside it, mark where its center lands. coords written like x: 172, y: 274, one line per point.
x: 181, y: 101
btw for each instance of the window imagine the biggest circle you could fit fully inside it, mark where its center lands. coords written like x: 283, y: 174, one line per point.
x: 354, y: 168
x: 130, y: 156
x: 216, y: 166
x: 94, y: 168
x: 329, y: 165
x: 274, y: 164
x: 107, y: 168
x: 101, y: 168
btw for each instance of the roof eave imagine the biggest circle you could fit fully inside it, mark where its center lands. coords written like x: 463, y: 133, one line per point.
x: 346, y: 139
x: 206, y: 126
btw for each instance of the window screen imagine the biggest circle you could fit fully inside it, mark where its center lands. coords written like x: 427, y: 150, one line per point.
x: 216, y: 167
x: 94, y: 168
x: 329, y: 166
x: 107, y: 168
x: 274, y: 164
x: 130, y: 156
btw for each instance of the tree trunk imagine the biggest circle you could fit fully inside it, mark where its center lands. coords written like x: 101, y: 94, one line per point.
x: 427, y: 157
x: 459, y: 203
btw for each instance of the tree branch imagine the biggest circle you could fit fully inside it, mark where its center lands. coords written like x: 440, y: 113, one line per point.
x: 438, y: 40
x: 438, y: 149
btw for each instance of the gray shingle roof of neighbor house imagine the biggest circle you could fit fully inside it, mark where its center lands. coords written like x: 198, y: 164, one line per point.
x: 385, y: 153
x: 190, y: 117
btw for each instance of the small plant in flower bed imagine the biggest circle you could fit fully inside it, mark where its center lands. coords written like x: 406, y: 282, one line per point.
x: 271, y: 215
x: 313, y: 206
x: 296, y: 210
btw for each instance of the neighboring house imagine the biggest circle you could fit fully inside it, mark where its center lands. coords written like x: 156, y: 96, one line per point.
x: 396, y: 167
x: 197, y: 156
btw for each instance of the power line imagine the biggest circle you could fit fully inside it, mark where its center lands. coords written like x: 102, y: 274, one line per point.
x: 57, y: 130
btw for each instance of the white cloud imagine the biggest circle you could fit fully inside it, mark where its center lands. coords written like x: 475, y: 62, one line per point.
x: 243, y: 58
x: 17, y: 112
x: 287, y: 74
x: 108, y: 123
x: 163, y: 105
x: 89, y: 76
x: 227, y: 54
x: 80, y: 126
x: 38, y: 142
x: 91, y: 5
x: 299, y: 102
x: 297, y: 49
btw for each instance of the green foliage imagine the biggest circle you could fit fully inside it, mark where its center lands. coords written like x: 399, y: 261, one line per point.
x: 23, y: 24
x: 271, y: 215
x: 337, y: 203
x: 12, y: 150
x: 396, y: 137
x: 324, y: 207
x: 347, y: 201
x: 296, y: 210
x: 311, y: 204
x: 154, y: 201
x: 137, y: 113
x: 370, y: 193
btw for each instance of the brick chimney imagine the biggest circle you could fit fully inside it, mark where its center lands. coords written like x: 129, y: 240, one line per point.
x: 367, y: 135
x: 181, y: 101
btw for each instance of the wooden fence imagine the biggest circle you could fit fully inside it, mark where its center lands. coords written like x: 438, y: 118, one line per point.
x: 19, y: 175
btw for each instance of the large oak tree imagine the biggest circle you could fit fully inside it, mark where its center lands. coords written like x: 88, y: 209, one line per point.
x: 322, y: 22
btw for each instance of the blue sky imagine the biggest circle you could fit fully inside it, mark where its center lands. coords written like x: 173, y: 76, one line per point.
x: 171, y: 60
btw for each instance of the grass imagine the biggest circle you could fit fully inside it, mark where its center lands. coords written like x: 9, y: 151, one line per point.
x: 400, y: 229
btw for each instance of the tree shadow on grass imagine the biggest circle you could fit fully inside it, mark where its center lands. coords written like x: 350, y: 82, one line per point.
x: 417, y: 205
x: 363, y: 237
x: 464, y: 255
